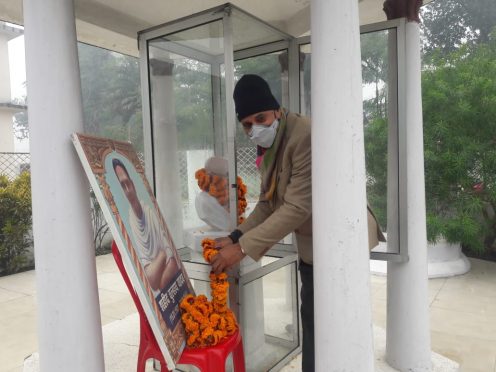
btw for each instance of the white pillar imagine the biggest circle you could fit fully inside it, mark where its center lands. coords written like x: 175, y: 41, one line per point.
x: 69, y: 327
x: 343, y: 321
x: 408, y: 338
x: 168, y: 185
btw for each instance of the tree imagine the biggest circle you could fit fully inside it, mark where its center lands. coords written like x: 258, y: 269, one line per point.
x: 459, y: 102
x: 21, y: 129
x: 448, y: 24
x: 375, y: 71
x: 193, y: 97
x: 110, y: 86
x: 193, y: 104
x: 111, y: 95
x: 375, y: 138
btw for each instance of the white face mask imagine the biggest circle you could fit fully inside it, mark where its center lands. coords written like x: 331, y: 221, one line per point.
x: 263, y: 135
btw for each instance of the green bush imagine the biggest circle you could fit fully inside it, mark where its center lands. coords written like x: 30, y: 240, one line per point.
x: 459, y: 115
x: 459, y: 100
x: 15, y: 222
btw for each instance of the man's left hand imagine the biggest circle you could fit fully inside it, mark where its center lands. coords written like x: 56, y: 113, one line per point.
x: 226, y: 257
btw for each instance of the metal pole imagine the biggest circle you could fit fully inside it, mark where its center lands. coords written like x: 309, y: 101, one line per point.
x: 408, y: 338
x: 393, y: 217
x: 69, y: 326
x: 343, y: 321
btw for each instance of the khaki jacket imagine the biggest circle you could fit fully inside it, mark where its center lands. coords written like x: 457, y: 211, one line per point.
x: 290, y: 209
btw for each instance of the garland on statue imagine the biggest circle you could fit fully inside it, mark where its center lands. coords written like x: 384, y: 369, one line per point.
x: 217, y: 186
x: 208, y: 322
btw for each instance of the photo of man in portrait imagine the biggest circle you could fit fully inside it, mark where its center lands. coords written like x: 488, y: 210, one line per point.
x: 151, y: 241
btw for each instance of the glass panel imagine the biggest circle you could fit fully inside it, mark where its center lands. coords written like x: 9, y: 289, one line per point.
x: 378, y: 110
x: 375, y: 87
x: 201, y: 287
x: 305, y: 79
x: 206, y: 40
x: 269, y: 316
x: 249, y: 31
x: 187, y: 123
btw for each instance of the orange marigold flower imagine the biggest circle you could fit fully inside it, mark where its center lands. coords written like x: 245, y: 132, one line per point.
x: 208, y: 322
x: 214, y: 320
x: 218, y: 336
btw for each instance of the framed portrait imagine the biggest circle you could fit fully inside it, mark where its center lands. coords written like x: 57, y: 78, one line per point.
x: 118, y: 180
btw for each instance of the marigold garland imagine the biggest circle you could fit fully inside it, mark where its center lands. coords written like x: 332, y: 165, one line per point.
x: 208, y: 322
x: 217, y: 186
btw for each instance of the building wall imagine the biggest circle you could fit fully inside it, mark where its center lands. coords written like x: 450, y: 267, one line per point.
x: 4, y: 69
x: 6, y: 131
x: 6, y: 128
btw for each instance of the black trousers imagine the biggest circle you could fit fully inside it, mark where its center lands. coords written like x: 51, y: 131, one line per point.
x: 308, y: 348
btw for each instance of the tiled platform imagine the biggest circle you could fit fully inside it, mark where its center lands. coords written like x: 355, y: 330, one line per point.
x: 463, y: 314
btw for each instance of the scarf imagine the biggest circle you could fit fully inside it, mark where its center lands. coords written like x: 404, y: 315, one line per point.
x: 268, y: 161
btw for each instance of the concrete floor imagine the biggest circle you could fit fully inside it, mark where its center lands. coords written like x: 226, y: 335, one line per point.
x: 463, y: 314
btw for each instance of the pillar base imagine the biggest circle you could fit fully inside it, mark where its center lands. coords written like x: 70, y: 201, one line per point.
x: 439, y: 362
x: 121, y: 343
x: 444, y: 260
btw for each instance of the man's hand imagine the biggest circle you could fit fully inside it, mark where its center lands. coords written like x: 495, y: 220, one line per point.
x: 227, y: 256
x: 223, y: 242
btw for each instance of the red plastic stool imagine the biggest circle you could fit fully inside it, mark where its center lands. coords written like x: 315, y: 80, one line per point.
x: 212, y: 358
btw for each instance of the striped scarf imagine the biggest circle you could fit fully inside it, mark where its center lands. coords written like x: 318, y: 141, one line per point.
x: 267, y: 161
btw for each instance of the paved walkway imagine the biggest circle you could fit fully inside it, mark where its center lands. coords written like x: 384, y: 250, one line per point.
x: 463, y: 314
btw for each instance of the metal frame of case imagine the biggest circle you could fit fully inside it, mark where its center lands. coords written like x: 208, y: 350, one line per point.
x: 286, y: 254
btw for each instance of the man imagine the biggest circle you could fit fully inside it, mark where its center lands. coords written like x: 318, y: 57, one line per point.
x: 283, y: 142
x: 150, y: 240
x: 284, y: 159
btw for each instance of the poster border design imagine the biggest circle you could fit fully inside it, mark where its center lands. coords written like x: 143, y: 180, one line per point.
x: 92, y: 152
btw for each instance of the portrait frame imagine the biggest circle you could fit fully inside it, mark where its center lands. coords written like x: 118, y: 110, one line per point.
x: 161, y: 305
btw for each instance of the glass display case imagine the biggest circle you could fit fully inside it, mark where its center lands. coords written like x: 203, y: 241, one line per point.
x: 188, y: 72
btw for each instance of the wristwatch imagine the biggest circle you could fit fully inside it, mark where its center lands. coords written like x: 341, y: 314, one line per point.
x: 235, y: 235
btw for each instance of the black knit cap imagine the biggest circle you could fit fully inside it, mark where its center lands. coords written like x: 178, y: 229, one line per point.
x: 251, y: 95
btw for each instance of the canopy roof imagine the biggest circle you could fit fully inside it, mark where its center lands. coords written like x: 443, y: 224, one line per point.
x: 114, y: 24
